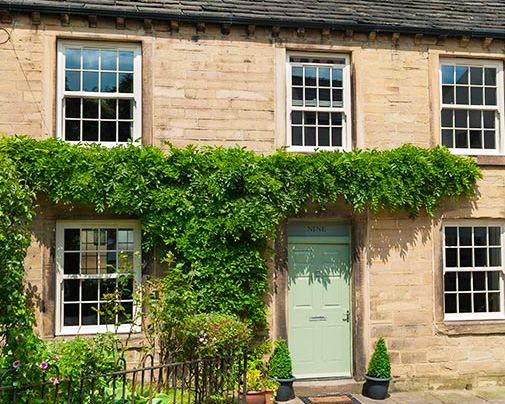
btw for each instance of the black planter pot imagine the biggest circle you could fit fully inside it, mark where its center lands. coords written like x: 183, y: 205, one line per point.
x: 376, y: 388
x: 285, y: 390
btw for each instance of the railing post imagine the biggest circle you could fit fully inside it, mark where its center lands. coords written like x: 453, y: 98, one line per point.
x: 244, y: 391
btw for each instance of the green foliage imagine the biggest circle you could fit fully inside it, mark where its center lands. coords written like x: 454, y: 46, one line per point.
x: 380, y: 365
x: 211, y: 210
x: 280, y: 365
x: 210, y: 335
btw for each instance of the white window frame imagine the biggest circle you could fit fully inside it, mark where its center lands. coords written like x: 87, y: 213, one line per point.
x: 137, y: 87
x: 61, y: 225
x: 345, y: 110
x: 476, y: 316
x: 499, y: 108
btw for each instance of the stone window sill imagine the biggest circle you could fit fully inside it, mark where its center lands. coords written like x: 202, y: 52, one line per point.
x: 490, y: 160
x: 471, y: 327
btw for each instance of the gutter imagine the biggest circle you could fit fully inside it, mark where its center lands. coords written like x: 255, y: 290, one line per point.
x: 243, y: 20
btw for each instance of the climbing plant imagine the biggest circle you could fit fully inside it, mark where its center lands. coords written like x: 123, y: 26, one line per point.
x: 214, y: 209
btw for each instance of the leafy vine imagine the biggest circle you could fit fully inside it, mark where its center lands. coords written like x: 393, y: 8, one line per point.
x: 212, y: 209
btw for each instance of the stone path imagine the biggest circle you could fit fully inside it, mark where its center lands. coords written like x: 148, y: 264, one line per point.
x: 494, y: 395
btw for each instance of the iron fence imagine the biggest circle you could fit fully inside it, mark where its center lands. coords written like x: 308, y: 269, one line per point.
x: 204, y: 381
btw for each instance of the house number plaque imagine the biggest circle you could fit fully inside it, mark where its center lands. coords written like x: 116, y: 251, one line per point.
x: 318, y: 318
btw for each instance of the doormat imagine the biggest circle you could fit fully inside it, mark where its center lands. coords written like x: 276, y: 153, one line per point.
x: 330, y: 399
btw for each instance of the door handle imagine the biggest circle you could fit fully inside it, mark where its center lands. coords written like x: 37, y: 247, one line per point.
x: 347, y: 316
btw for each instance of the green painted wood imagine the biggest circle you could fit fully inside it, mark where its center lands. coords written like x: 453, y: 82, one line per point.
x: 319, y: 303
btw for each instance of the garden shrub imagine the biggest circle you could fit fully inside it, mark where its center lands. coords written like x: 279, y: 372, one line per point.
x: 280, y: 365
x: 379, y: 365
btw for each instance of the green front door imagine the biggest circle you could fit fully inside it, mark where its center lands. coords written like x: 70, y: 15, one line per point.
x: 319, y: 301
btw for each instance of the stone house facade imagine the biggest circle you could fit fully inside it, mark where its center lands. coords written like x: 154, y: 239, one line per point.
x: 304, y: 75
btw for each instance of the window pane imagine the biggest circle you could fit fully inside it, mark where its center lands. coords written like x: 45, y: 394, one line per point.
x: 310, y: 97
x: 490, y: 76
x: 126, y: 82
x: 465, y: 236
x: 90, y: 290
x: 479, y: 303
x: 462, y: 74
x: 71, y: 290
x: 489, y: 119
x: 107, y: 131
x: 494, y: 235
x: 451, y: 257
x: 464, y: 281
x: 493, y: 280
x: 126, y: 285
x: 465, y: 303
x: 336, y: 137
x: 310, y: 76
x: 476, y: 75
x: 450, y: 281
x: 465, y: 257
x: 89, y: 314
x: 297, y: 95
x: 480, y: 257
x: 126, y: 61
x: 72, y: 130
x: 450, y: 303
x: 324, y: 77
x: 447, y: 139
x: 494, y: 302
x: 462, y: 95
x: 310, y: 136
x: 109, y: 61
x: 324, y: 97
x: 447, y: 118
x: 461, y: 118
x: 107, y: 287
x: 72, y: 58
x: 495, y: 257
x: 70, y: 314
x: 111, y: 239
x: 125, y: 131
x: 337, y: 78
x: 451, y: 236
x: 296, y: 116
x: 71, y: 263
x: 90, y: 59
x: 448, y: 74
x: 73, y: 107
x: 489, y: 139
x: 323, y: 136
x: 90, y: 107
x: 108, y: 82
x: 72, y: 81
x: 126, y: 110
x: 108, y: 108
x: 476, y: 139
x: 89, y: 263
x: 448, y: 94
x: 476, y: 97
x: 296, y: 136
x: 310, y: 118
x: 475, y: 119
x: 490, y: 96
x: 90, y: 81
x: 90, y: 131
x: 297, y: 76
x: 480, y: 235
x: 72, y: 239
x: 461, y: 137
x: 323, y: 118
x: 337, y: 98
x: 479, y: 281
x: 336, y: 118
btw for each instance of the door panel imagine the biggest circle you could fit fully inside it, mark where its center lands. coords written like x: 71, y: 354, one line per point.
x: 319, y: 299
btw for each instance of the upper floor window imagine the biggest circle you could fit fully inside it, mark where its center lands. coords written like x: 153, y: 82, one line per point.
x: 318, y: 102
x: 472, y: 106
x: 99, y: 92
x: 96, y: 260
x: 473, y: 272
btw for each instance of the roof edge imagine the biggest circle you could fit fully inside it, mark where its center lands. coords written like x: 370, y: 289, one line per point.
x: 285, y: 23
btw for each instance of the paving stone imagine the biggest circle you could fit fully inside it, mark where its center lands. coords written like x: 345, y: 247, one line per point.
x: 365, y: 400
x: 415, y: 398
x: 458, y: 397
x: 494, y: 395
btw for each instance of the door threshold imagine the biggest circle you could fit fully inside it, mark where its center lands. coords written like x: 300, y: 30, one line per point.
x: 323, y: 378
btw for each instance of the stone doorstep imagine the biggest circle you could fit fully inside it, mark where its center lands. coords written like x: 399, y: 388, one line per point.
x: 320, y: 387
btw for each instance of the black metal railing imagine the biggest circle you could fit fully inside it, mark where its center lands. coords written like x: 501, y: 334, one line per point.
x: 204, y: 381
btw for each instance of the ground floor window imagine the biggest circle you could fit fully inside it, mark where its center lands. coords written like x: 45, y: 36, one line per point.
x: 473, y: 272
x: 98, y: 264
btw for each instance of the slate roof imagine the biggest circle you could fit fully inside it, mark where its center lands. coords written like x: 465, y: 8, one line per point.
x: 453, y: 17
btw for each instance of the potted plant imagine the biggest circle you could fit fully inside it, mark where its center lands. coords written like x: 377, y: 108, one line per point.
x: 378, y: 374
x: 260, y: 388
x: 280, y: 368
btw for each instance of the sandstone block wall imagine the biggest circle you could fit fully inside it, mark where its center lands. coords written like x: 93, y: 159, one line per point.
x: 214, y: 89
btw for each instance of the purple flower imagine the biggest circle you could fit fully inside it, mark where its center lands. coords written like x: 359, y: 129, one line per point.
x: 43, y: 365
x: 56, y: 357
x: 19, y: 337
x: 54, y: 380
x: 15, y: 364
